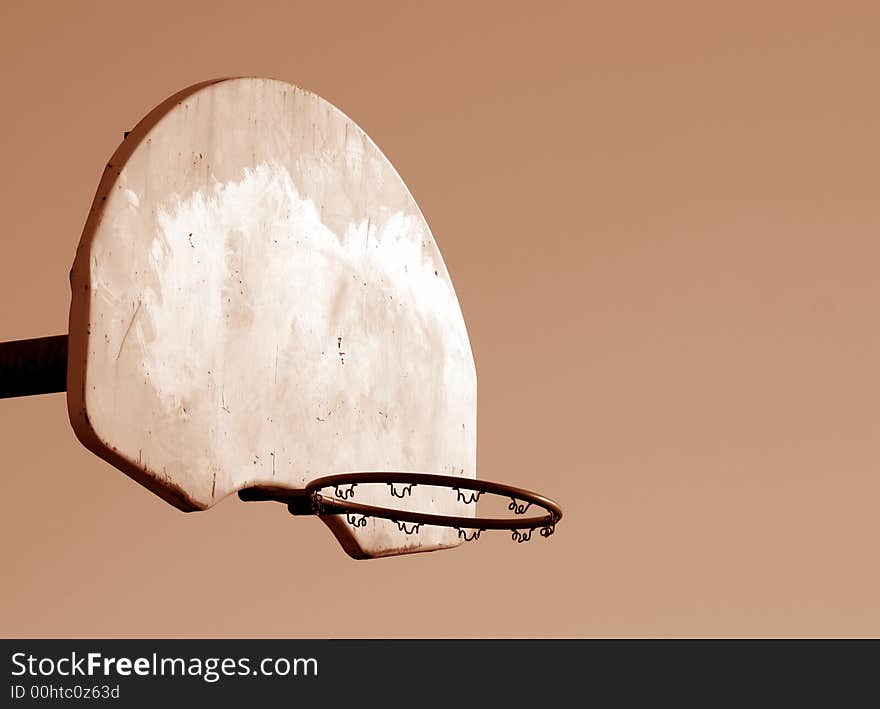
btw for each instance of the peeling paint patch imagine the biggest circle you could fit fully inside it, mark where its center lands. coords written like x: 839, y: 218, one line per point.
x: 240, y: 297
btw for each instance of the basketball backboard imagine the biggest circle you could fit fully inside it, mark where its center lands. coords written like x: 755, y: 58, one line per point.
x: 257, y: 301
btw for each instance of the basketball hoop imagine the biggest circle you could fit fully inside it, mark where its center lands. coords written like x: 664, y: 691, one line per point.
x: 313, y: 500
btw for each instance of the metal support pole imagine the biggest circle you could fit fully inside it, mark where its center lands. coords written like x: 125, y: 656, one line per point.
x: 29, y: 367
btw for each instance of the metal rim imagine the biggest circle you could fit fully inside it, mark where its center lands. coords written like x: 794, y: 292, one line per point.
x: 324, y: 505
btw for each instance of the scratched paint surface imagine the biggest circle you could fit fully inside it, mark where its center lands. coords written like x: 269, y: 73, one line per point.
x: 265, y: 304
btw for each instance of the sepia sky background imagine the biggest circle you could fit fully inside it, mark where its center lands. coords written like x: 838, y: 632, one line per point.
x: 662, y: 222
